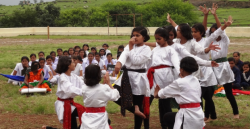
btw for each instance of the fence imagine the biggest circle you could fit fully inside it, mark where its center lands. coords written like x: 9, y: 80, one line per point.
x: 8, y: 32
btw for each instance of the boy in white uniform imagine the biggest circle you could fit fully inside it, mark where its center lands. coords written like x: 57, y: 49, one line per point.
x: 186, y: 91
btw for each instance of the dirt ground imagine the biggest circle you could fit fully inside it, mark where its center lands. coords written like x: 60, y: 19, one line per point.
x: 22, y: 121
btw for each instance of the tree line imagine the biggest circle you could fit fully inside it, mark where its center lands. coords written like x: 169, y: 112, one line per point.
x: 153, y: 14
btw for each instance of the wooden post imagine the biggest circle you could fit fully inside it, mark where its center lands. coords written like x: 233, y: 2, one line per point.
x: 48, y: 32
x: 116, y: 25
x: 134, y: 20
x: 108, y: 24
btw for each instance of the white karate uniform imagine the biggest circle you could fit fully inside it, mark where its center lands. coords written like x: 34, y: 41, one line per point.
x: 46, y: 71
x: 18, y: 68
x: 77, y: 70
x: 97, y: 96
x: 137, y: 58
x: 223, y: 73
x: 87, y: 52
x: 164, y: 56
x: 103, y: 57
x: 107, y: 51
x: 186, y: 90
x: 101, y: 64
x: 68, y: 87
x: 55, y: 77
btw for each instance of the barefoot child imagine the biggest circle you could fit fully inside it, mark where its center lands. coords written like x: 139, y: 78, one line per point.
x: 69, y: 86
x: 95, y: 99
x: 35, y: 79
x: 135, y: 58
x: 187, y: 92
x: 164, y: 58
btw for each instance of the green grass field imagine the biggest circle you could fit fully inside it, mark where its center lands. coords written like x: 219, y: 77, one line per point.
x: 12, y: 102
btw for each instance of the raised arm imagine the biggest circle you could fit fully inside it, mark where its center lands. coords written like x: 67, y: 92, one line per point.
x: 205, y: 12
x: 169, y: 20
x: 213, y: 11
x: 151, y: 44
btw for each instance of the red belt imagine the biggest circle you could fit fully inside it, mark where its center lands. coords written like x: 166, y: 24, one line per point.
x: 151, y: 71
x: 190, y: 105
x: 67, y: 112
x: 95, y: 109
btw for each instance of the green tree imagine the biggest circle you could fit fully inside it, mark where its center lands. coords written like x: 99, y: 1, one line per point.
x: 74, y: 17
x: 98, y: 17
x: 155, y: 13
x: 120, y: 8
x: 48, y: 16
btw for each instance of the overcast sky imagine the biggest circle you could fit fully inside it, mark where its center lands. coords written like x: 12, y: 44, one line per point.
x: 16, y: 2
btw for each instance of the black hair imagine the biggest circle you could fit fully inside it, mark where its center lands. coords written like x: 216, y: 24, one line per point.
x: 91, y: 53
x: 231, y: 59
x: 118, y: 54
x: 59, y: 49
x: 65, y: 51
x: 98, y: 54
x: 74, y: 57
x: 246, y: 63
x: 186, y: 31
x: 79, y: 58
x: 41, y: 52
x: 105, y: 44
x: 32, y: 55
x: 76, y: 51
x: 213, y: 26
x: 199, y: 27
x: 47, y: 57
x: 95, y: 50
x: 189, y: 64
x: 25, y: 57
x: 92, y: 75
x: 63, y: 64
x: 71, y: 48
x: 41, y: 59
x: 109, y: 54
x: 34, y: 65
x: 121, y: 46
x: 52, y: 52
x: 143, y: 31
x: 103, y: 50
x: 169, y: 29
x: 85, y: 55
x: 237, y: 53
x: 162, y: 32
x: 77, y: 47
x: 86, y: 45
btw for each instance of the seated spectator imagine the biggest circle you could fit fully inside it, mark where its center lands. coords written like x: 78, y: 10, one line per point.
x: 245, y: 76
x: 238, y: 62
x: 237, y: 74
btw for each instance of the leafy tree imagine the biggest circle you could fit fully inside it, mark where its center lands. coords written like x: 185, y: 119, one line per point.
x: 120, y: 8
x: 98, y: 18
x: 74, y: 17
x: 155, y: 13
x: 48, y: 16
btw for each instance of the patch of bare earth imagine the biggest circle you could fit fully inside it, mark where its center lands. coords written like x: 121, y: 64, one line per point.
x: 50, y: 41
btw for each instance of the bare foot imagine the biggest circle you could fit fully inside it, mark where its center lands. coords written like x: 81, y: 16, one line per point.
x: 237, y: 116
x: 205, y: 119
x: 139, y: 113
x: 44, y: 127
x: 209, y: 120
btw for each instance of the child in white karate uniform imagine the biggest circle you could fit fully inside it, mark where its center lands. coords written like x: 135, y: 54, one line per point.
x: 186, y: 91
x: 135, y: 59
x: 164, y: 61
x: 69, y: 86
x: 95, y: 98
